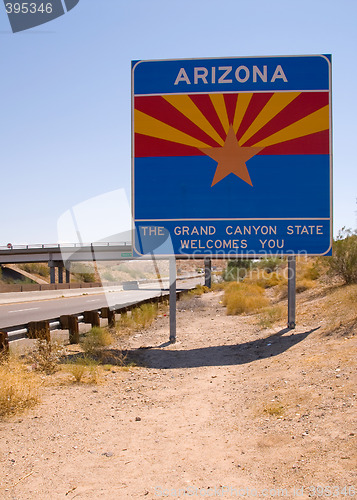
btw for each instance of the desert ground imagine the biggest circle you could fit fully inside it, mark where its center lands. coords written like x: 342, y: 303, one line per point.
x: 230, y: 410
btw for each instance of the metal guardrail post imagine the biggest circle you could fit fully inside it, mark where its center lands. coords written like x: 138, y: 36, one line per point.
x: 70, y: 323
x: 4, y: 342
x: 92, y: 317
x: 39, y: 330
x: 108, y: 314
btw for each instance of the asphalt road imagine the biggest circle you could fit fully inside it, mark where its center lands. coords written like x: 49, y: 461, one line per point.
x: 24, y: 312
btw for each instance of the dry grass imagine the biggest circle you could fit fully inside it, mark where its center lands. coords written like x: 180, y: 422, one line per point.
x: 219, y: 286
x: 304, y: 284
x: 339, y: 310
x: 244, y: 298
x: 46, y: 356
x: 333, y: 306
x: 274, y: 409
x: 264, y: 279
x: 138, y: 319
x: 198, y: 290
x: 19, y: 387
x: 271, y: 315
x: 83, y: 369
x: 95, y: 340
x: 189, y: 303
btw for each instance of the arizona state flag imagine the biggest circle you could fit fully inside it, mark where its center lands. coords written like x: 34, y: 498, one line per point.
x: 232, y: 156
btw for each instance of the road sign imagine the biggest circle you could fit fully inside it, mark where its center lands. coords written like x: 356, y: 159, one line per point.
x: 232, y: 156
x: 126, y: 255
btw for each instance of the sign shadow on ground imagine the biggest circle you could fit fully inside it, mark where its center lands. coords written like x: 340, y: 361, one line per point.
x: 223, y: 355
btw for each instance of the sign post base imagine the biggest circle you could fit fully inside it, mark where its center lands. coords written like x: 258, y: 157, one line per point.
x: 291, y: 291
x: 172, y: 300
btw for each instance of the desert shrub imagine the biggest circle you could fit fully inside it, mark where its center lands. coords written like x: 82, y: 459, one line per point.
x: 83, y: 272
x: 271, y: 315
x: 95, y: 340
x: 139, y: 318
x: 83, y: 368
x: 244, y: 298
x: 263, y: 279
x: 218, y: 286
x: 312, y: 272
x: 344, y: 256
x: 85, y: 277
x: 274, y: 409
x: 108, y: 276
x: 304, y: 284
x: 199, y: 290
x: 133, y: 273
x: 46, y: 356
x: 237, y: 269
x: 35, y: 268
x: 19, y: 387
x: 144, y: 315
x: 270, y: 264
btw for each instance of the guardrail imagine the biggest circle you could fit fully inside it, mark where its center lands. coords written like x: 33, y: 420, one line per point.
x: 73, y: 286
x: 42, y: 329
x: 50, y: 286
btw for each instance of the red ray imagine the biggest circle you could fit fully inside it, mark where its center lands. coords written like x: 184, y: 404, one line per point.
x: 146, y: 146
x: 159, y: 108
x: 313, y: 144
x: 305, y: 104
x: 231, y: 103
x: 257, y: 103
x: 204, y: 104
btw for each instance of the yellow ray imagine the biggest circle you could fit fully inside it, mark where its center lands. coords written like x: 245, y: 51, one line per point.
x: 275, y: 104
x: 316, y: 122
x: 147, y: 125
x: 220, y: 107
x: 187, y: 107
x: 243, y: 101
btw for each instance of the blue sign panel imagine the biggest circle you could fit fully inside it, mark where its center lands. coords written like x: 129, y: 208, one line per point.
x: 232, y: 157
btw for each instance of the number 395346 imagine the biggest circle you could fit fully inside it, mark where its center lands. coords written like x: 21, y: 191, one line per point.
x: 28, y: 8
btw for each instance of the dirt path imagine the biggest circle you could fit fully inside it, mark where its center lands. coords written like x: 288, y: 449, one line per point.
x: 228, y: 411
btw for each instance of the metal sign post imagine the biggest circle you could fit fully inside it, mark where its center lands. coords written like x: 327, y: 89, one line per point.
x: 291, y: 291
x: 208, y: 273
x: 172, y: 300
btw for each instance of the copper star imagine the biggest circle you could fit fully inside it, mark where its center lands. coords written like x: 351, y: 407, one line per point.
x: 231, y: 158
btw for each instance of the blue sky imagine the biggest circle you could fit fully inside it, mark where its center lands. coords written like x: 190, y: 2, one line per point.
x: 65, y: 93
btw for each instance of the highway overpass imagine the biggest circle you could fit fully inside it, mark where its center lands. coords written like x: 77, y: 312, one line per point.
x: 61, y: 255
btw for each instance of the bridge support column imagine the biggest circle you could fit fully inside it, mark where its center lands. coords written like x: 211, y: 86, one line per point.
x: 60, y: 273
x: 68, y: 274
x: 51, y: 265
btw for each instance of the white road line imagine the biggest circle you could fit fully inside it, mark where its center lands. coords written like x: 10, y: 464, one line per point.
x: 93, y: 300
x: 21, y: 310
